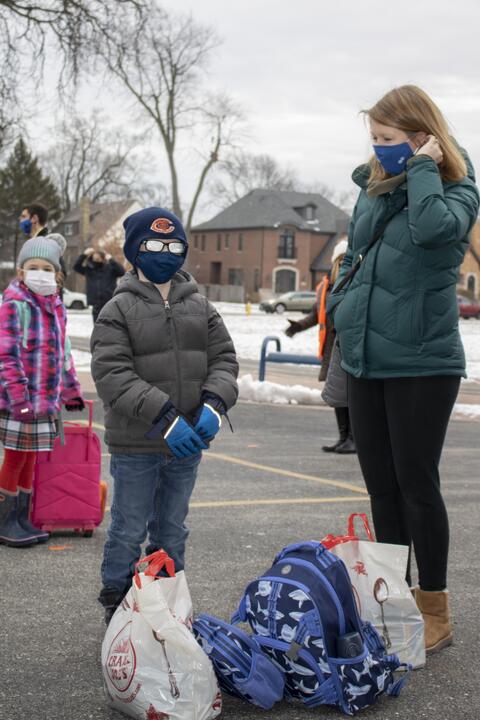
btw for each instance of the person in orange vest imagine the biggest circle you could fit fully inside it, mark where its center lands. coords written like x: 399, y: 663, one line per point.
x: 326, y: 337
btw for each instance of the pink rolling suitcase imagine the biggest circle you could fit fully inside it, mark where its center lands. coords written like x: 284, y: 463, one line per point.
x: 67, y: 492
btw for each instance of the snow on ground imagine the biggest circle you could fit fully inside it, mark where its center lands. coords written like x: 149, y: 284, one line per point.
x: 81, y: 359
x: 471, y: 411
x: 268, y: 392
x: 248, y: 333
x: 79, y: 323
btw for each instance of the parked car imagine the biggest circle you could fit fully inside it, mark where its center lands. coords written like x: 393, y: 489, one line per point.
x: 74, y: 300
x: 468, y: 308
x: 300, y: 301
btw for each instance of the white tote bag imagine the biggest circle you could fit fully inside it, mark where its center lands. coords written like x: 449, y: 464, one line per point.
x: 152, y: 665
x: 377, y: 573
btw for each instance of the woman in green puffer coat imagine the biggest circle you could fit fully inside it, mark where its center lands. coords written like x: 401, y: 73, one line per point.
x: 397, y: 322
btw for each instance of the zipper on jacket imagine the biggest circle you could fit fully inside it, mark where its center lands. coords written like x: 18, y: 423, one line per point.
x: 169, y: 313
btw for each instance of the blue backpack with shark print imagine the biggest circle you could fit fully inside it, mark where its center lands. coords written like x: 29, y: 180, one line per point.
x: 303, y: 613
x: 241, y: 667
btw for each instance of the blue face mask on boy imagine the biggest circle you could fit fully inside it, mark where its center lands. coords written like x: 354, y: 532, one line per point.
x: 26, y: 226
x: 393, y: 158
x: 159, y: 267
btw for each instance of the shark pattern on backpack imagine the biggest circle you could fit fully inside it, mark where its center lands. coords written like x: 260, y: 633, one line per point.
x: 241, y: 667
x: 298, y: 610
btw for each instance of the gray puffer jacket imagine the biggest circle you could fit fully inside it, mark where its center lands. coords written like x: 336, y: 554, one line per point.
x: 146, y: 352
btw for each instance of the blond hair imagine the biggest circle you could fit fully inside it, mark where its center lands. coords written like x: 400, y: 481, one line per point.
x: 336, y: 268
x: 410, y: 109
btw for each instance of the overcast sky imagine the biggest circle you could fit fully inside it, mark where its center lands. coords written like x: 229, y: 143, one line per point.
x: 302, y: 71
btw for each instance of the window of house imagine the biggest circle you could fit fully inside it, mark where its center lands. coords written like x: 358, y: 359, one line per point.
x: 309, y: 212
x: 286, y: 247
x: 219, y: 242
x: 195, y: 242
x: 204, y: 243
x: 256, y: 280
x: 235, y: 276
x: 227, y: 241
x: 240, y: 242
x: 68, y: 229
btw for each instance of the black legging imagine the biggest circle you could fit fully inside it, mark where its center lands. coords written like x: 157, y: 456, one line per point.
x: 399, y: 427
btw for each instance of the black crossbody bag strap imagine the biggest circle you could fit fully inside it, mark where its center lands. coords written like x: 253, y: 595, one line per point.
x: 356, y: 267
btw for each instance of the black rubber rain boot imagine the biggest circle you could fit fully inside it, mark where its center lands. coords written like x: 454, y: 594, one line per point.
x: 347, y: 447
x: 110, y: 598
x: 341, y: 415
x: 24, y: 503
x: 11, y: 532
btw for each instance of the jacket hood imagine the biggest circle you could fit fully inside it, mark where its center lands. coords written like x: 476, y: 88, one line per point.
x: 183, y: 284
x: 361, y: 174
x: 18, y: 291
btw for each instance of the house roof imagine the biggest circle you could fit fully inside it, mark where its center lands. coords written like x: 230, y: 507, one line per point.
x: 113, y: 209
x: 272, y: 208
x: 323, y: 261
x: 103, y: 216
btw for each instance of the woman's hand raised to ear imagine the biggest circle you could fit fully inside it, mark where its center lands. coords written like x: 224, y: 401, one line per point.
x: 432, y: 149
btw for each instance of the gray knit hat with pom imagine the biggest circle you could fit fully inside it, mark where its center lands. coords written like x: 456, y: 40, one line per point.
x: 50, y: 247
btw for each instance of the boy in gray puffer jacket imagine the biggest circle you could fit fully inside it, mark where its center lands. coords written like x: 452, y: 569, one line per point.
x: 165, y: 367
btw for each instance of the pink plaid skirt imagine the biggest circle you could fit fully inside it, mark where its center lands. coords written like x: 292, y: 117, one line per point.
x: 36, y: 435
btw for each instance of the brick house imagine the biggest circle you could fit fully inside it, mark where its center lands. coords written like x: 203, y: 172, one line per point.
x: 93, y: 224
x: 469, y: 281
x: 268, y: 242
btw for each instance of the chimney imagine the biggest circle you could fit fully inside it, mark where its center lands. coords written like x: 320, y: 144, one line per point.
x: 84, y: 223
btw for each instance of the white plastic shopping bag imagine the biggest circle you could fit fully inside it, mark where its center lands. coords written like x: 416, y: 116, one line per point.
x: 152, y: 665
x: 377, y: 572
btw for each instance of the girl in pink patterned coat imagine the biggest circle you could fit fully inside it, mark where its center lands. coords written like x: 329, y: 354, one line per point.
x: 37, y: 376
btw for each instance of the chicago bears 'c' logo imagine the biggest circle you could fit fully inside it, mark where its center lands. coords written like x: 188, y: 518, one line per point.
x: 162, y: 225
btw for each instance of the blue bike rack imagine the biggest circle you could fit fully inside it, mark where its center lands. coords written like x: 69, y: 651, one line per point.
x: 281, y: 357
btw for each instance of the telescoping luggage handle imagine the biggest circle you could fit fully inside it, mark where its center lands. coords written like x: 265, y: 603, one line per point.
x: 62, y: 423
x: 330, y: 540
x: 156, y: 562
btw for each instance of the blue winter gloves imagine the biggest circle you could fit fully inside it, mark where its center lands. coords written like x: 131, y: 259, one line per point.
x: 184, y: 436
x: 209, y: 422
x: 177, y: 432
x: 182, y: 439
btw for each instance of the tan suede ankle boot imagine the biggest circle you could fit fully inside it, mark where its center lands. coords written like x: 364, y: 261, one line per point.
x: 435, y: 609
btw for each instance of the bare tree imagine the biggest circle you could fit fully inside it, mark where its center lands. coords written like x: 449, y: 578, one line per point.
x: 90, y: 159
x: 70, y: 23
x: 9, y: 115
x: 242, y: 172
x: 344, y: 199
x: 162, y: 70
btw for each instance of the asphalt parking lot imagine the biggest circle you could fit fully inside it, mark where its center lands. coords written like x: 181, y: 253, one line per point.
x: 264, y: 486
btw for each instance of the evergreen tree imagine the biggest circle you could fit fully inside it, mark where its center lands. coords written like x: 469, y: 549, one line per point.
x: 22, y: 181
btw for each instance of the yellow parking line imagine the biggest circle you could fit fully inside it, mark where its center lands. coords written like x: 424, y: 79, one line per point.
x: 276, y: 471
x: 274, y: 501
x: 286, y: 473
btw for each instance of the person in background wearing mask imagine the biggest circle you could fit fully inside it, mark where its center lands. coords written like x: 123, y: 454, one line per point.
x: 397, y: 321
x: 101, y: 273
x: 165, y: 367
x: 33, y: 220
x: 37, y: 376
x: 33, y: 223
x: 317, y: 316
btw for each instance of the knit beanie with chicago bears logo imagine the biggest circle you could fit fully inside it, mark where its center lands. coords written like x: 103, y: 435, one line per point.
x: 153, y: 223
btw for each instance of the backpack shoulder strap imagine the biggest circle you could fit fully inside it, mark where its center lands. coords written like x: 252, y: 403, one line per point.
x: 25, y: 316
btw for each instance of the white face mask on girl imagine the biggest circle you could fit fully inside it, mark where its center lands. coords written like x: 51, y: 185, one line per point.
x: 41, y: 282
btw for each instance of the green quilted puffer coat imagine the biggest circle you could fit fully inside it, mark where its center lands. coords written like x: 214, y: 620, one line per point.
x: 399, y: 315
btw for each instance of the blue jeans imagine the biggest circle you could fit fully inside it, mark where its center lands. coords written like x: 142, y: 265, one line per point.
x: 151, y: 494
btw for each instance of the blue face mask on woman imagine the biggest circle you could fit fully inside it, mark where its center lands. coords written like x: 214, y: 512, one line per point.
x: 393, y: 158
x: 159, y: 267
x: 26, y: 226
